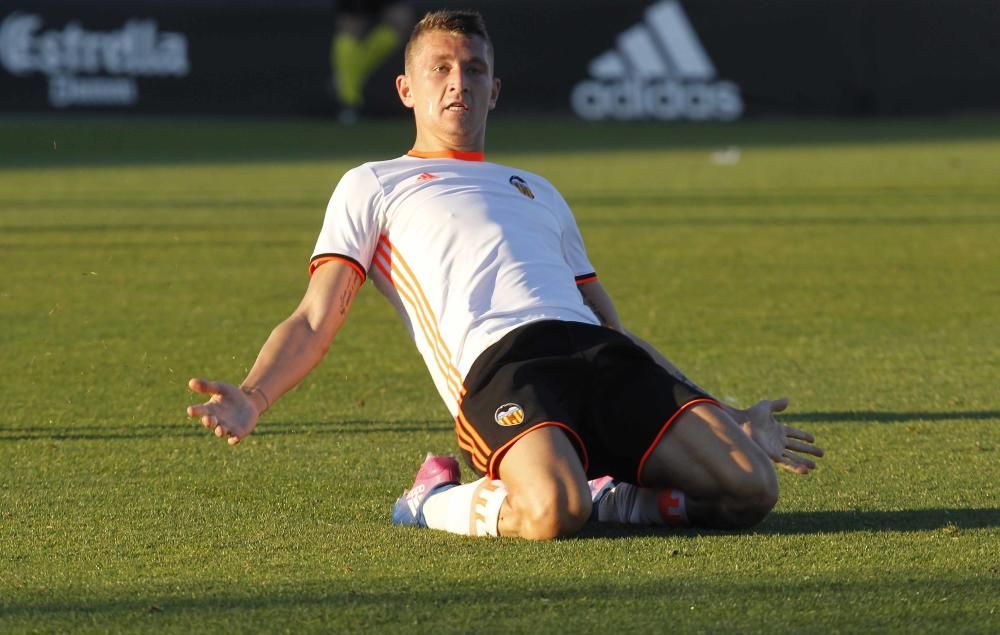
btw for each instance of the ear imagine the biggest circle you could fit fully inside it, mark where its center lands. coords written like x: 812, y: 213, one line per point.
x: 495, y: 93
x: 403, y: 90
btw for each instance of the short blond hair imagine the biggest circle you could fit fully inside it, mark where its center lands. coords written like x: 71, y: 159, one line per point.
x: 460, y: 22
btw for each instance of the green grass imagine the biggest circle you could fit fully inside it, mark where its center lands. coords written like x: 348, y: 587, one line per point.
x: 851, y: 265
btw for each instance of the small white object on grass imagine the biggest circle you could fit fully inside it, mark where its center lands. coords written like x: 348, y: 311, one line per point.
x: 728, y: 156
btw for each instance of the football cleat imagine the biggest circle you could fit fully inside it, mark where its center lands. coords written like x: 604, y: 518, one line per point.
x: 436, y: 474
x: 599, y: 487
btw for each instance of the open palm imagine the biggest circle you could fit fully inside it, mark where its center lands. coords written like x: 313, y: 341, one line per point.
x: 783, y: 444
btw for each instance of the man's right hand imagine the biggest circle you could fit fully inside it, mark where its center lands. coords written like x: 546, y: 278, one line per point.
x: 230, y: 412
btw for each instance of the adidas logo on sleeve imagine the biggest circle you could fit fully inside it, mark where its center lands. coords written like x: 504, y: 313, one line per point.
x: 658, y: 70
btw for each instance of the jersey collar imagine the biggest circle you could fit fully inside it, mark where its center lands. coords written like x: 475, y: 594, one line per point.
x: 448, y: 154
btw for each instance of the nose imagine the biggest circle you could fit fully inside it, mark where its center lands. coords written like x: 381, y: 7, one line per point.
x: 456, y: 79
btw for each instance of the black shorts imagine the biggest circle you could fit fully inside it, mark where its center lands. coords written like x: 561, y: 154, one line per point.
x: 610, y: 397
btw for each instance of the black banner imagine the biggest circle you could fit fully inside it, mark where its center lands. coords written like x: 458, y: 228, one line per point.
x: 600, y: 59
x: 165, y: 57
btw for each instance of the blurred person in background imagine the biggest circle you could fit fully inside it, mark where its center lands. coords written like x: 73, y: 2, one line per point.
x: 366, y: 33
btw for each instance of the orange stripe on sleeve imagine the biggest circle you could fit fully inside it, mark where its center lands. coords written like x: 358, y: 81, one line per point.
x: 319, y: 261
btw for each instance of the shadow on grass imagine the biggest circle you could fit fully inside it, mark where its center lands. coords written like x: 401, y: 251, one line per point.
x: 952, y: 521
x: 405, y: 598
x: 869, y: 416
x: 140, y: 431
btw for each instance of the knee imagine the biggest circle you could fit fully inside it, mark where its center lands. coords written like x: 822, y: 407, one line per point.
x: 753, y: 502
x: 552, y: 514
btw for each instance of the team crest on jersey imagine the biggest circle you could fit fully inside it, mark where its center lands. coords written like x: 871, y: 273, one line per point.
x: 509, y: 414
x: 522, y: 186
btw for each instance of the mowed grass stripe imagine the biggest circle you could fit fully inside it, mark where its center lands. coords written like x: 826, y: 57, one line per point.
x: 858, y: 277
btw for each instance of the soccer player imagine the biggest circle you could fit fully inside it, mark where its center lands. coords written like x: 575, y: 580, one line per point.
x: 565, y: 414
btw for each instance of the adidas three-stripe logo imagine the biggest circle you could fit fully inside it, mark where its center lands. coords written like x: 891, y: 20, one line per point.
x: 660, y: 70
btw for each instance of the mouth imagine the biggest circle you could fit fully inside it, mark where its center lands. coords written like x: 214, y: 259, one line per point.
x: 457, y: 106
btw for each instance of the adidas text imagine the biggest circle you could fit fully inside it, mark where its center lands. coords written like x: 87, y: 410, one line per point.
x: 657, y: 99
x: 658, y: 69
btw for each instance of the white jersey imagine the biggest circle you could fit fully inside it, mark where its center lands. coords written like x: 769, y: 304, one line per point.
x: 465, y: 250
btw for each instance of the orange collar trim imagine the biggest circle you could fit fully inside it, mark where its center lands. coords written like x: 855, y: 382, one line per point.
x: 448, y: 154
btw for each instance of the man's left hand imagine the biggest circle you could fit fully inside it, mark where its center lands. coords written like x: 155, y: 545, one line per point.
x: 783, y: 444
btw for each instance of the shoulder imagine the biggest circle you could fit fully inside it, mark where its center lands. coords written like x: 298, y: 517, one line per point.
x: 363, y: 176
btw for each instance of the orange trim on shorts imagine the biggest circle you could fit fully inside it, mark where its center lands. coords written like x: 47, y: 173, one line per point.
x: 448, y: 154
x: 319, y: 262
x: 656, y: 441
x: 497, y: 456
x: 470, y: 440
x: 477, y: 462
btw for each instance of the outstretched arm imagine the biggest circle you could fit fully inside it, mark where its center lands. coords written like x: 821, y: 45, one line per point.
x: 293, y: 349
x: 783, y: 444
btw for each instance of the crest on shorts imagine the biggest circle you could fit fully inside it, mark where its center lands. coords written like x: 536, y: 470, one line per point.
x: 522, y: 186
x: 509, y: 414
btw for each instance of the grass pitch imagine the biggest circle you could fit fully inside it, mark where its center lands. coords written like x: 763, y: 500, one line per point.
x: 851, y: 265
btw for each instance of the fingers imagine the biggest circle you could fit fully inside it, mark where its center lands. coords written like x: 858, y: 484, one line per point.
x: 796, y: 464
x: 220, y: 430
x: 210, y: 410
x: 798, y: 446
x: 800, y: 464
x: 206, y: 387
x: 803, y: 463
x: 211, y: 422
x: 200, y: 410
x: 791, y: 467
x: 796, y: 433
x: 778, y: 405
x: 801, y: 441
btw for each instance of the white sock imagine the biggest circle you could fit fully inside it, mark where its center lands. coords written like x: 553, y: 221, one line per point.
x: 472, y: 509
x: 630, y: 504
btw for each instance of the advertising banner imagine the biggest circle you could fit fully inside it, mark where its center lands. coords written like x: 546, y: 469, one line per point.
x: 164, y: 57
x: 671, y: 60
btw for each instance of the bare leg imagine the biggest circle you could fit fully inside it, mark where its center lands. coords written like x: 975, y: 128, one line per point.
x: 547, y: 488
x: 729, y: 481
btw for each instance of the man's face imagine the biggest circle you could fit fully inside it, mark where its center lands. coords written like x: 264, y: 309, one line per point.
x: 450, y: 87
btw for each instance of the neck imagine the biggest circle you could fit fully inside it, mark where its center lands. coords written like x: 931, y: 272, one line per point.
x: 447, y: 154
x: 427, y: 144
